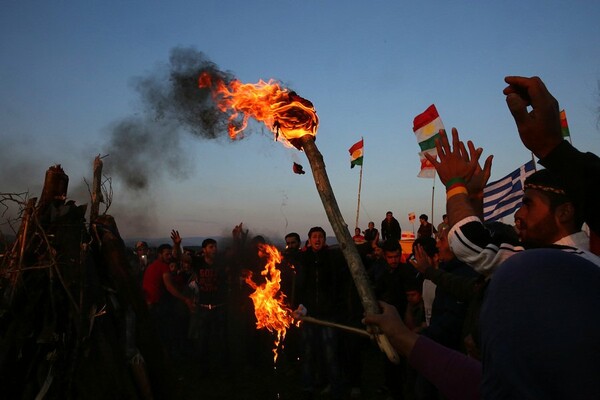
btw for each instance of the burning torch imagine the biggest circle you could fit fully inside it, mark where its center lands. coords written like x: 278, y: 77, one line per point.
x: 294, y: 121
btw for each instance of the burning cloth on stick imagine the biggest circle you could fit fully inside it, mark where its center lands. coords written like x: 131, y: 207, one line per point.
x: 294, y: 122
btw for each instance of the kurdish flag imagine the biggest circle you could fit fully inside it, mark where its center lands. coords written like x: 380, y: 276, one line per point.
x: 426, y: 127
x: 356, y: 153
x: 564, y: 126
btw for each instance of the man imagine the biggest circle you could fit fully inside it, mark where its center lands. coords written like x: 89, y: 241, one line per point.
x: 358, y: 238
x: 448, y: 309
x: 540, y: 131
x: 548, y: 209
x: 372, y: 234
x: 390, y: 227
x: 426, y: 229
x: 391, y: 288
x: 526, y: 353
x: 455, y: 280
x: 444, y: 225
x: 292, y: 242
x: 209, y: 320
x: 289, y: 267
x: 158, y: 285
x: 161, y: 293
x: 319, y: 289
x: 143, y: 252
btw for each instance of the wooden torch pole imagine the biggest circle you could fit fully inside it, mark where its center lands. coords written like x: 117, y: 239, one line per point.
x: 340, y: 228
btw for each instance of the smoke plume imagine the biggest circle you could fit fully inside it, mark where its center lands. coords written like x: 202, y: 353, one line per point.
x: 172, y: 103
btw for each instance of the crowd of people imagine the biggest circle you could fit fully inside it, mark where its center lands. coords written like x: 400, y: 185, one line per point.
x: 478, y: 310
x: 533, y: 290
x: 200, y: 303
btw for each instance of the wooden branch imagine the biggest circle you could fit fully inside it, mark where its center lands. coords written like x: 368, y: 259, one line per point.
x: 340, y: 228
x: 96, y: 189
x: 347, y: 328
x: 23, y: 232
x: 55, y: 188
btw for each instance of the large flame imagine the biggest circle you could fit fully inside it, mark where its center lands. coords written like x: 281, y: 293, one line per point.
x: 280, y: 109
x: 269, y: 302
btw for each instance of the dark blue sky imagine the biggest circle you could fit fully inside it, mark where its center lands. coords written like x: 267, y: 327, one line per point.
x: 71, y: 73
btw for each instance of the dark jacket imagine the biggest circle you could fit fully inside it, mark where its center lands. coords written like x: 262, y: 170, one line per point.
x: 390, y: 230
x: 391, y: 286
x: 320, y: 279
x: 448, y: 312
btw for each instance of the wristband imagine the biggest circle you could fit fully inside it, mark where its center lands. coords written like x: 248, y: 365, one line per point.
x: 454, y: 181
x: 455, y: 190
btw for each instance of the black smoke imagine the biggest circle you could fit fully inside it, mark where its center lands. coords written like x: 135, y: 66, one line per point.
x: 149, y: 143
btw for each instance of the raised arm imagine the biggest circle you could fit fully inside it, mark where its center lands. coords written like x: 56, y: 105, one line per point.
x: 176, y: 238
x: 539, y: 128
x: 458, y: 168
x: 540, y: 132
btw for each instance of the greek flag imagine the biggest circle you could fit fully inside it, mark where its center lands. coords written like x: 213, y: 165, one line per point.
x: 503, y: 197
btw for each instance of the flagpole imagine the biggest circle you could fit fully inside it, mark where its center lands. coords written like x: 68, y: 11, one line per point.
x: 432, y: 195
x: 359, y: 187
x: 357, y: 152
x: 534, y: 163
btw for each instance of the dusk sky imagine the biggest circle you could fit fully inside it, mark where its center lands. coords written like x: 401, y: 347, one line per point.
x: 74, y: 73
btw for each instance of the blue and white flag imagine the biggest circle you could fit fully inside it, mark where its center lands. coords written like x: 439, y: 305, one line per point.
x: 503, y: 197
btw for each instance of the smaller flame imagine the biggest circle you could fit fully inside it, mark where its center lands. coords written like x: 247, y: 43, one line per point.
x: 282, y: 110
x: 269, y: 302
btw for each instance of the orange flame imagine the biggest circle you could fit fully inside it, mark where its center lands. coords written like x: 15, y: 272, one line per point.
x: 269, y: 306
x: 281, y: 110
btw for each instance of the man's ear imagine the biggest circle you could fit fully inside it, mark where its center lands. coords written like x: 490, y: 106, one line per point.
x: 565, y: 213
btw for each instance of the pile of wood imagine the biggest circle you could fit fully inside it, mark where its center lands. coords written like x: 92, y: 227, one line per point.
x: 73, y: 323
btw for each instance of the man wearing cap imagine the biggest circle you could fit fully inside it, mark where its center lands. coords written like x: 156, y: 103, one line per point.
x: 539, y: 337
x: 549, y: 217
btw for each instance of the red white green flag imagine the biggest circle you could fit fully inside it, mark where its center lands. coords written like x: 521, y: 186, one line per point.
x: 356, y: 153
x: 564, y: 126
x: 426, y: 127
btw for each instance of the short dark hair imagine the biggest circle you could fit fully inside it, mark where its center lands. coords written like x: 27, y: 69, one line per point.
x: 316, y: 229
x: 423, y: 216
x: 164, y: 246
x: 413, y: 284
x: 294, y: 235
x: 208, y: 241
x: 428, y: 244
x: 391, y: 245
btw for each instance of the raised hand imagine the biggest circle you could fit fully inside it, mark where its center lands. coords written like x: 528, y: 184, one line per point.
x: 175, y: 237
x: 539, y: 128
x: 455, y: 161
x: 480, y: 176
x: 422, y: 261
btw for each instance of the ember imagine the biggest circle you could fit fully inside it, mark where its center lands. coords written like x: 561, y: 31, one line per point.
x: 269, y: 306
x: 298, y: 169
